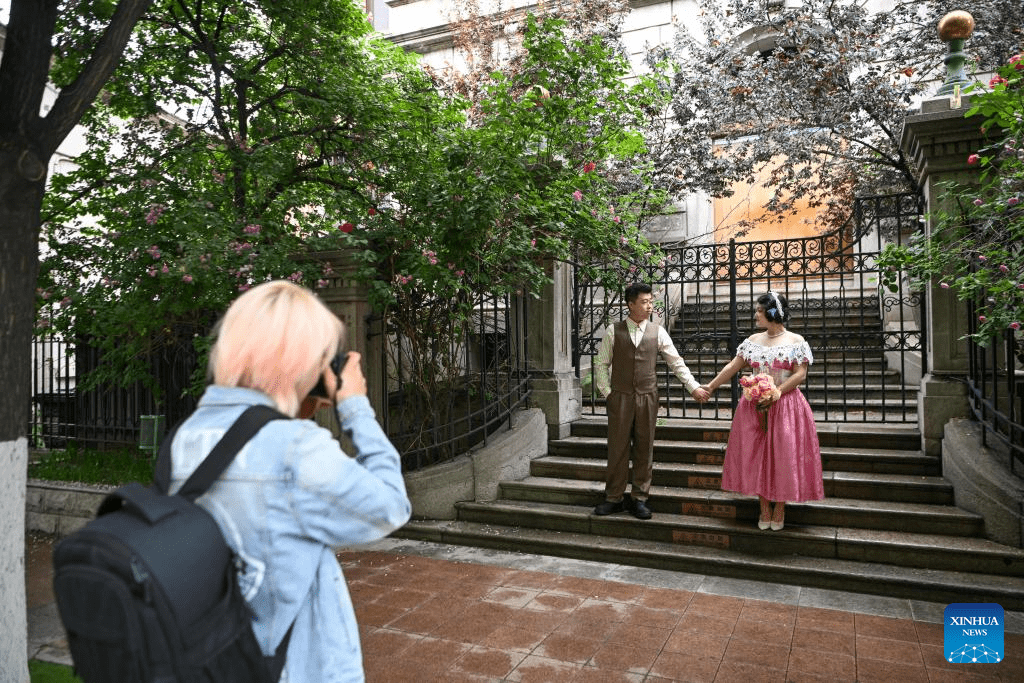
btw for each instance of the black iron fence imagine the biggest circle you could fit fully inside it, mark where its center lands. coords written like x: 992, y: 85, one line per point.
x: 868, y: 344
x: 63, y: 412
x: 995, y: 385
x: 446, y: 391
x: 452, y: 389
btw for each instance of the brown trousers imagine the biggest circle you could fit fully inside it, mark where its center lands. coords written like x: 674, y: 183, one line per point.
x: 631, y: 422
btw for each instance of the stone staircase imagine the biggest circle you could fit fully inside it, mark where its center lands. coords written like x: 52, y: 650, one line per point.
x: 888, y: 525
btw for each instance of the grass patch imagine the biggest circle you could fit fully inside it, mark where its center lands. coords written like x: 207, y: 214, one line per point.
x: 47, y: 672
x: 115, y: 467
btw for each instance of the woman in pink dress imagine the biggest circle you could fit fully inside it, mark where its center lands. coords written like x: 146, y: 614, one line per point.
x: 780, y: 462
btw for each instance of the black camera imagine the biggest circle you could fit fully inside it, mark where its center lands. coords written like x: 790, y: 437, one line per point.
x: 337, y: 364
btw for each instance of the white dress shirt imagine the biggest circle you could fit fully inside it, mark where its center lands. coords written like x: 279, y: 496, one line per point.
x: 603, y: 361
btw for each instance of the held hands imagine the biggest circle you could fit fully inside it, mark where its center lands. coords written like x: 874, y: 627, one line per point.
x: 701, y: 394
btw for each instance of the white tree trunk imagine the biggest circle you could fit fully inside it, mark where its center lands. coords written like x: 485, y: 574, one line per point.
x: 13, y: 627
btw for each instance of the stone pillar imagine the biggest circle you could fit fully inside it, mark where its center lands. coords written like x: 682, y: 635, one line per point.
x: 939, y: 140
x: 347, y: 300
x: 555, y: 389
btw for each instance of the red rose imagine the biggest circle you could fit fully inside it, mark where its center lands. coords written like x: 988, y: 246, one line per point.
x: 589, y: 166
x: 346, y: 227
x: 373, y: 211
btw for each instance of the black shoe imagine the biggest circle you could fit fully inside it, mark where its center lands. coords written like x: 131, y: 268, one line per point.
x: 640, y: 509
x: 608, y: 507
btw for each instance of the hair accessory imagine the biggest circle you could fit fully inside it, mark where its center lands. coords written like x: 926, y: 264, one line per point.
x: 777, y: 302
x: 772, y: 311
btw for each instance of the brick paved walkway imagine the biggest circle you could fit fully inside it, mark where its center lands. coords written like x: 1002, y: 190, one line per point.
x: 438, y: 613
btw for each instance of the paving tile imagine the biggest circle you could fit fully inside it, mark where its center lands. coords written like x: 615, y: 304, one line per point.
x: 385, y: 643
x: 584, y: 626
x: 511, y: 596
x: 534, y: 669
x: 595, y: 609
x: 718, y: 606
x: 696, y: 643
x: 619, y: 657
x: 515, y: 639
x: 751, y: 652
x: 828, y: 665
x: 825, y: 641
x: 822, y: 619
x: 703, y: 623
x: 886, y: 627
x: 567, y: 648
x: 555, y: 602
x: 592, y: 675
x: 665, y: 598
x: 731, y: 672
x: 487, y: 661
x: 536, y: 620
x: 779, y: 635
x: 647, y: 616
x: 635, y: 635
x: 975, y: 675
x: 686, y: 668
x: 528, y: 579
x: 772, y: 612
x: 888, y: 650
x: 880, y: 671
x: 931, y: 634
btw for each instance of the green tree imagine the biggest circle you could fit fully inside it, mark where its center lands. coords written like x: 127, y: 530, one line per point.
x: 28, y: 140
x: 276, y: 151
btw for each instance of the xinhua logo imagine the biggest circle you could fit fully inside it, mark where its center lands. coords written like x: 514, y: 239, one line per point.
x: 973, y: 633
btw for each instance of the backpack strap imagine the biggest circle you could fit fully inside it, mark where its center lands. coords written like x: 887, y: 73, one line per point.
x: 245, y: 427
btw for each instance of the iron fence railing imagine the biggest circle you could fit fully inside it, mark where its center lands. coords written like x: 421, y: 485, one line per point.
x: 995, y: 386
x: 455, y: 388
x: 868, y: 344
x: 438, y: 404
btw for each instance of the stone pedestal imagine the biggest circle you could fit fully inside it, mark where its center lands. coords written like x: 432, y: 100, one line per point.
x: 555, y: 389
x: 347, y: 300
x: 939, y: 140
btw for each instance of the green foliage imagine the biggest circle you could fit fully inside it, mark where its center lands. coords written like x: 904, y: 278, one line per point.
x: 47, y: 672
x: 87, y: 466
x: 975, y: 248
x: 298, y: 131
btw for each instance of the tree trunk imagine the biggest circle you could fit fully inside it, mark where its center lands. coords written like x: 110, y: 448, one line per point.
x: 20, y: 202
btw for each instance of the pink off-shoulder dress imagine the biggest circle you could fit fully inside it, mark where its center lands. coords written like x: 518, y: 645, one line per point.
x: 784, y: 462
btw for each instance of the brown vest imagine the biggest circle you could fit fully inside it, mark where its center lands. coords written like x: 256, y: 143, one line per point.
x: 633, y: 366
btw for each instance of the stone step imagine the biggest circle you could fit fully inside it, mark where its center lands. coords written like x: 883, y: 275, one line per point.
x: 920, y: 550
x: 877, y: 578
x: 842, y: 434
x: 877, y: 460
x: 879, y: 515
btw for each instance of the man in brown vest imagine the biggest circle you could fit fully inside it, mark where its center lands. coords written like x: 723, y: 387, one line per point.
x: 630, y: 348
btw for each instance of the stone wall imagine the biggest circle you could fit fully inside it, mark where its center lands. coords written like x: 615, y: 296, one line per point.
x: 59, y: 508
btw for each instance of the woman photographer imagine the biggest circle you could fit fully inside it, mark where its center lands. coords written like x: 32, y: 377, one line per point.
x: 292, y: 495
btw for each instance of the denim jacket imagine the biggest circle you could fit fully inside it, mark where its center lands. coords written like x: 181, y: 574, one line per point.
x: 289, y: 498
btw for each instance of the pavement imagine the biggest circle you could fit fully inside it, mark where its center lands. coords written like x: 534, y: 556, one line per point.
x: 435, y: 612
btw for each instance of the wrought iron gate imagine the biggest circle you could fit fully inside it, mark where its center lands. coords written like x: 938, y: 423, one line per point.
x: 868, y: 344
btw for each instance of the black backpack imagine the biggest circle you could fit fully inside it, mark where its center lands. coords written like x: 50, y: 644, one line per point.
x: 148, y: 591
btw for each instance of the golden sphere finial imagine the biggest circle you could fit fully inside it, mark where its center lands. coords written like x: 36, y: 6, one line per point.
x: 956, y: 25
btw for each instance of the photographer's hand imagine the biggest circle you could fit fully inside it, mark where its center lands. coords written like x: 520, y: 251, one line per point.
x: 353, y: 383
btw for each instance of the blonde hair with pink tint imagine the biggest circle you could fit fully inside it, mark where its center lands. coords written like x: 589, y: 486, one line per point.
x: 276, y: 338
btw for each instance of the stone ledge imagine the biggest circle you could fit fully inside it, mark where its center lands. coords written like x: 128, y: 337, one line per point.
x: 983, y: 482
x: 61, y: 508
x: 475, y: 476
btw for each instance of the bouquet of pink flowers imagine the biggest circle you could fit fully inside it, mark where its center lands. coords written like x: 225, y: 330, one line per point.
x: 756, y: 388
